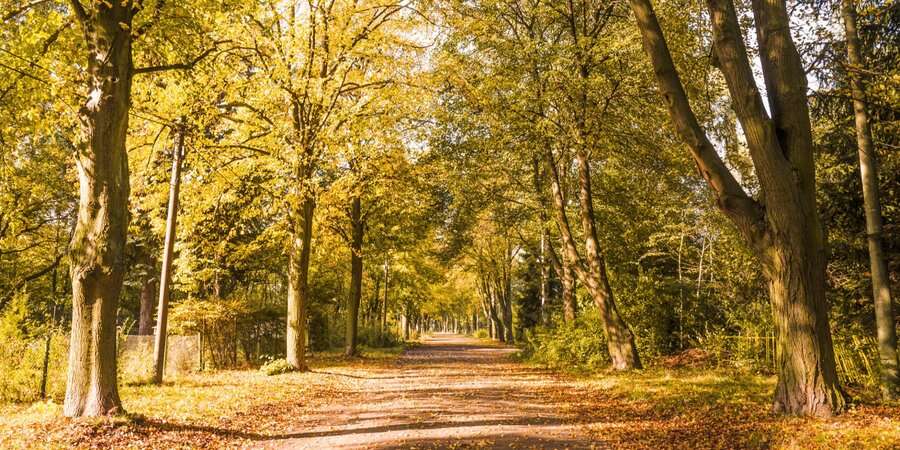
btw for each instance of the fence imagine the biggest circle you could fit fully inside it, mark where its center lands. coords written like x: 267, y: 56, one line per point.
x: 856, y: 357
x: 136, y: 356
x: 35, y: 366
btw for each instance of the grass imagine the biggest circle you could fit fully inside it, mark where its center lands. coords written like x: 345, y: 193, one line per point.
x: 715, y: 408
x: 210, y: 406
x: 653, y: 408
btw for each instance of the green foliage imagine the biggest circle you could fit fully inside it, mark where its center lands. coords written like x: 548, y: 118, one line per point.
x: 579, y: 345
x: 276, y: 367
x: 481, y: 334
x: 22, y: 356
x: 372, y: 336
x: 22, y: 363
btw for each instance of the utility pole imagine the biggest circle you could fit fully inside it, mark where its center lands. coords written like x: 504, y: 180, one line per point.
x: 159, y: 347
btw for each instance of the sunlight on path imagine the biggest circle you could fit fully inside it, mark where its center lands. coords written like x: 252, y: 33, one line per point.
x: 450, y: 392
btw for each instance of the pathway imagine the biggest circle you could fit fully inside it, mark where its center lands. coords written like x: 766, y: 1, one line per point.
x: 450, y: 392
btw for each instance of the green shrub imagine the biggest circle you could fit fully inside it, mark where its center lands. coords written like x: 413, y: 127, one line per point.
x: 276, y: 367
x: 22, y: 356
x: 372, y: 336
x: 577, y: 345
x: 481, y: 334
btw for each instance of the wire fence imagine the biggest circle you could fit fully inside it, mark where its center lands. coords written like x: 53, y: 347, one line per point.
x: 856, y: 357
x: 136, y: 356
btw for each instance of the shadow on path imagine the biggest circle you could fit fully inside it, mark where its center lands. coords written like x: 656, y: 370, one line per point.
x: 449, y: 392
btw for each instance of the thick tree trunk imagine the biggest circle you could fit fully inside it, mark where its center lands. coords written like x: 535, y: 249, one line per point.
x: 507, y: 308
x: 356, y: 272
x: 499, y: 333
x: 807, y: 379
x: 97, y: 250
x: 786, y: 234
x: 868, y: 164
x: 298, y: 283
x: 404, y: 325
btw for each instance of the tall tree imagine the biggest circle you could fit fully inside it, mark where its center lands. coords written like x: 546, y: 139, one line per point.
x: 316, y: 59
x: 782, y: 227
x: 868, y: 165
x: 97, y: 249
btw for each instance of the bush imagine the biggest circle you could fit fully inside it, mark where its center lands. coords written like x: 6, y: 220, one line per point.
x: 577, y: 345
x: 372, y: 336
x: 234, y: 332
x: 481, y: 334
x: 276, y: 367
x: 22, y: 357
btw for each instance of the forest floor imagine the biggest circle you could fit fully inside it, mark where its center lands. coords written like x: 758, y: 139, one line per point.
x: 450, y: 392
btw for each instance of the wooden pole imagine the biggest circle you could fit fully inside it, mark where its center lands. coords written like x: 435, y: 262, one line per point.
x: 159, y: 347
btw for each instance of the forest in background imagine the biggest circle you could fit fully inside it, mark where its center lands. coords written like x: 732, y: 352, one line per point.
x: 354, y: 173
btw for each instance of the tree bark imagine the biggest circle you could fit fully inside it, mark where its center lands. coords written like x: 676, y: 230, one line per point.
x: 545, y: 278
x: 785, y: 235
x: 507, y: 313
x: 495, y: 318
x: 356, y: 271
x: 159, y: 347
x: 97, y: 250
x: 298, y: 282
x: 149, y: 289
x: 619, y: 338
x: 567, y: 279
x: 868, y: 165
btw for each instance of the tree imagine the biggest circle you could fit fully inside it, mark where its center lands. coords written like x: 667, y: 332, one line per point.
x: 547, y: 82
x: 317, y: 60
x: 98, y: 244
x: 785, y: 233
x: 868, y: 165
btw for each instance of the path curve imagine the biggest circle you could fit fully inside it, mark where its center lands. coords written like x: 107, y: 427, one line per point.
x: 450, y: 392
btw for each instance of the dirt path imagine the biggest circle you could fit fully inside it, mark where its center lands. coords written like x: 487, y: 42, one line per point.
x: 451, y: 392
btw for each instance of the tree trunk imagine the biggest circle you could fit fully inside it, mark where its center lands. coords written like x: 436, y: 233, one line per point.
x: 159, y: 347
x: 570, y: 302
x: 404, y: 325
x: 356, y: 272
x: 785, y: 235
x: 545, y: 278
x: 868, y: 164
x: 507, y: 308
x: 298, y: 282
x: 807, y: 378
x: 384, y: 305
x: 149, y: 289
x: 592, y: 273
x: 495, y: 318
x: 97, y: 250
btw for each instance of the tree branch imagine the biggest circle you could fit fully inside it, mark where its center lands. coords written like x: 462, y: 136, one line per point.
x: 743, y: 210
x: 16, y: 12
x: 9, y: 295
x: 179, y: 66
